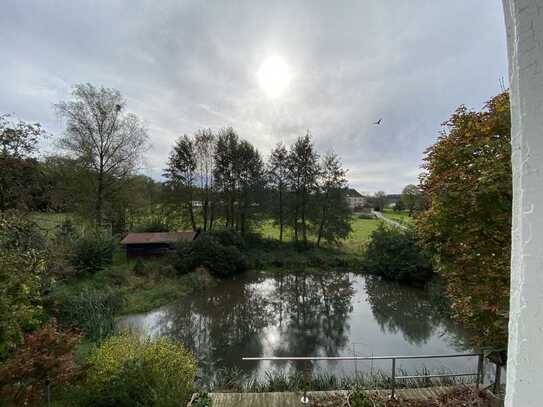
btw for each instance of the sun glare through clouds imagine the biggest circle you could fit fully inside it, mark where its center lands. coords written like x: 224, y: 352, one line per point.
x: 274, y: 76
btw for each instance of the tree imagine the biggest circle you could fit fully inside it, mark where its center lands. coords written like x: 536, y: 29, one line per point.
x: 181, y: 174
x: 278, y: 181
x: 105, y: 138
x: 226, y: 172
x: 303, y: 171
x: 239, y: 176
x: 395, y: 253
x: 467, y: 226
x: 69, y: 184
x: 251, y: 183
x: 334, y: 219
x: 21, y: 182
x: 204, y: 151
x: 379, y: 200
x: 411, y: 198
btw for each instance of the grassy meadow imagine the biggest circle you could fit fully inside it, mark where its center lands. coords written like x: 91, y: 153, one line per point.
x: 400, y: 217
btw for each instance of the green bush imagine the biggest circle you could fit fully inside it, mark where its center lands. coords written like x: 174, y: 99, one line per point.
x: 139, y: 267
x: 128, y: 371
x: 229, y: 238
x: 208, y: 252
x: 92, y: 253
x: 91, y: 310
x: 23, y: 276
x: 395, y: 254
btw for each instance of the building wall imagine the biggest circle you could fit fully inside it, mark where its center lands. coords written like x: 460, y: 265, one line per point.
x: 524, y: 20
x: 356, y: 201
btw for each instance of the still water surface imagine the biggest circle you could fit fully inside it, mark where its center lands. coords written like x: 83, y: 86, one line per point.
x: 301, y: 314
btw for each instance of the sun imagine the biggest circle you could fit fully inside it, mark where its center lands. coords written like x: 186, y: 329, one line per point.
x: 274, y: 76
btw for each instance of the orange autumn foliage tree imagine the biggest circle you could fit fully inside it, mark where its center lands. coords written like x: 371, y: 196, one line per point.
x: 467, y: 226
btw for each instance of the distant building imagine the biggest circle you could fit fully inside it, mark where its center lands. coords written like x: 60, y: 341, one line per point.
x: 355, y: 199
x: 145, y: 244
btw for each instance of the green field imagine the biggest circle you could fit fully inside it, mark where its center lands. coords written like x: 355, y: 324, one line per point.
x: 400, y: 217
x: 361, y: 232
x: 361, y: 228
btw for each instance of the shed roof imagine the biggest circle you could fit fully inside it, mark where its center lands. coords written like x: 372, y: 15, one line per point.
x: 158, y: 237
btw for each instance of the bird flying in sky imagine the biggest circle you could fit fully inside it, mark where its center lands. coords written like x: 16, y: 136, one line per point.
x: 378, y: 122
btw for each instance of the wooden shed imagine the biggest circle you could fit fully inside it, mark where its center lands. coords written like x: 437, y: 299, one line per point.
x: 146, y: 244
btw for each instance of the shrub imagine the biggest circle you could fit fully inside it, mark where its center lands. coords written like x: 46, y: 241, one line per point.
x: 139, y: 267
x: 126, y: 371
x: 22, y: 276
x: 92, y: 253
x: 208, y: 252
x: 91, y: 310
x: 229, y: 238
x: 46, y: 357
x: 395, y: 254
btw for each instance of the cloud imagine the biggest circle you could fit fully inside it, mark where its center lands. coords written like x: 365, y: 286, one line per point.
x: 191, y: 64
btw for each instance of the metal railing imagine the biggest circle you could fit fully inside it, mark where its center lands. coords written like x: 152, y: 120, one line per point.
x: 394, y: 378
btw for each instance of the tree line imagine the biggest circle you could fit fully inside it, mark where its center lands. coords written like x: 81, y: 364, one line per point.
x: 218, y: 177
x: 212, y: 179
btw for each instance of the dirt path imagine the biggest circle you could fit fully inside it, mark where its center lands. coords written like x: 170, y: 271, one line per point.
x: 389, y: 221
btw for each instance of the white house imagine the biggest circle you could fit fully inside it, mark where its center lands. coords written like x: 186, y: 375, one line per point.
x: 355, y: 199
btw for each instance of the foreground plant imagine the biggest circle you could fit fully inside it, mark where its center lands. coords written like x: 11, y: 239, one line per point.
x: 126, y: 371
x: 23, y: 264
x: 45, y: 360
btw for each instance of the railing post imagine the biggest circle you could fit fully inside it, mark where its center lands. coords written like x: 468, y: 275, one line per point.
x: 497, y: 378
x: 480, y: 374
x: 392, y: 394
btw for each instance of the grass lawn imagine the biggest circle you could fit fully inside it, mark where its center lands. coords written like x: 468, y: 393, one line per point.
x: 400, y: 217
x: 361, y: 232
x: 361, y: 228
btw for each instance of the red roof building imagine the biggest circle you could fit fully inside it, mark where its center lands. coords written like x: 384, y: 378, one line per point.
x: 144, y: 244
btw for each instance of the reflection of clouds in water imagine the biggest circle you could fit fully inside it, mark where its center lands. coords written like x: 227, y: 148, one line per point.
x: 264, y: 314
x: 150, y: 324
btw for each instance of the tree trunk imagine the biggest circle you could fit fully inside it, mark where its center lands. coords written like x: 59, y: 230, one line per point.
x: 296, y: 219
x: 281, y: 225
x: 99, y: 195
x: 211, y: 215
x: 191, y: 211
x: 304, y: 231
x: 321, y: 225
x: 204, y: 213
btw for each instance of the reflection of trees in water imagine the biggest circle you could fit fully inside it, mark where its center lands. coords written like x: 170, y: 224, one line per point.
x: 313, y: 311
x: 409, y: 310
x: 399, y: 308
x: 221, y: 325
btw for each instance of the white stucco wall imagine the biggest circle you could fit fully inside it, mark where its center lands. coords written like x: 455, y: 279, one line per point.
x: 524, y: 20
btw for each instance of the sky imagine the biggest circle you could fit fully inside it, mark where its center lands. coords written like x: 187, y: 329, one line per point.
x: 271, y: 70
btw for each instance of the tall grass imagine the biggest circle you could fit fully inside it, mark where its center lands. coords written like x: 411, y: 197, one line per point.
x: 234, y: 380
x: 93, y: 311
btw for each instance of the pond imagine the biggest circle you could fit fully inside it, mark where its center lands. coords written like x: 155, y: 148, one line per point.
x: 303, y: 314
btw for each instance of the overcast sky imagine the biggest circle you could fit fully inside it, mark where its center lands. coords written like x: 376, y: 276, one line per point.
x: 184, y: 65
